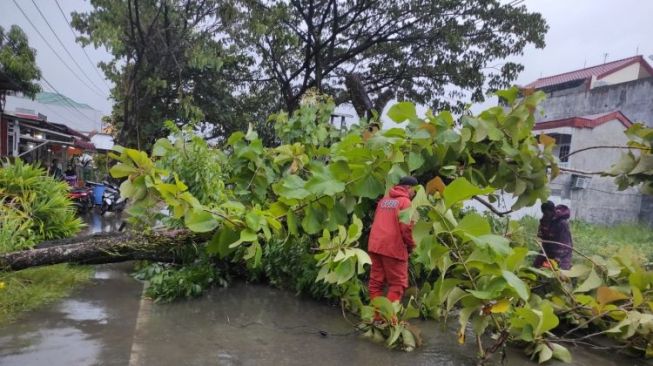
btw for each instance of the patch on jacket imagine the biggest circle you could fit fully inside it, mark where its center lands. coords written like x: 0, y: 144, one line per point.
x: 390, y: 204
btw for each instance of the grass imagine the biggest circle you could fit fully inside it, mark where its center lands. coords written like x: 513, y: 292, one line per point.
x: 31, y: 288
x: 603, y: 240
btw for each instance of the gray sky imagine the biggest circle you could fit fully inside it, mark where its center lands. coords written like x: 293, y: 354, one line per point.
x: 581, y: 32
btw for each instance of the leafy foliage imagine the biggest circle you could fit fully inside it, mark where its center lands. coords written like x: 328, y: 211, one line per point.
x: 166, y: 65
x: 18, y: 61
x: 34, y: 207
x: 167, y: 283
x: 320, y: 187
x: 633, y: 169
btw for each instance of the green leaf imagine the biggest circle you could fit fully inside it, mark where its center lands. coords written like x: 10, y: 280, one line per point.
x: 644, y: 165
x: 221, y: 241
x: 561, y: 353
x: 368, y: 187
x: 355, y: 230
x: 545, y: 353
x: 516, y: 284
x: 314, y: 218
x: 415, y: 161
x: 161, y: 147
x: 254, y: 221
x: 291, y: 221
x: 508, y: 95
x: 460, y: 190
x: 402, y: 111
x: 496, y: 243
x: 292, y: 187
x: 548, y: 319
x: 324, y: 184
x: 363, y: 258
x: 121, y: 170
x: 474, y: 224
x: 593, y: 281
x: 383, y: 306
x: 246, y: 236
x: 200, y: 221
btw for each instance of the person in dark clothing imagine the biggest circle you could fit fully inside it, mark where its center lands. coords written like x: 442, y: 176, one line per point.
x: 391, y: 242
x: 555, y: 235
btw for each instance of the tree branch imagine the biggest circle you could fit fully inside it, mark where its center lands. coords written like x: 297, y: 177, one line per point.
x: 490, y: 207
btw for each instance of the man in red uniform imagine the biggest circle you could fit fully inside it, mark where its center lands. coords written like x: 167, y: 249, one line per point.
x: 391, y: 242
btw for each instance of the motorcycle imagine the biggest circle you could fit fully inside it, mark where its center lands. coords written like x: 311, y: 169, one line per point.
x: 82, y: 199
x: 106, y: 197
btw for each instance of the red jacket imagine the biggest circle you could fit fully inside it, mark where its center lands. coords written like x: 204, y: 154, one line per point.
x: 389, y: 236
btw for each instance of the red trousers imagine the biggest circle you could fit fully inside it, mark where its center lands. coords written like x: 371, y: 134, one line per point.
x: 390, y: 271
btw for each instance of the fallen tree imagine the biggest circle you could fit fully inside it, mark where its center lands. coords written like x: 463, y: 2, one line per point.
x: 162, y: 246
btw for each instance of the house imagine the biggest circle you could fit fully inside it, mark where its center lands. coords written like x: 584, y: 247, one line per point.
x: 592, y: 198
x: 592, y: 107
x: 28, y: 130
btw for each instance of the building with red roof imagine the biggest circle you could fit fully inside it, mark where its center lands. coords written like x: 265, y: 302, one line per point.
x: 589, y: 107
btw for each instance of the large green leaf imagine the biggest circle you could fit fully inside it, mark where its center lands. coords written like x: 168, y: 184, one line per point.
x: 415, y: 161
x: 474, y: 224
x: 369, y: 187
x: 221, y: 241
x: 402, y: 111
x: 292, y: 187
x: 516, y: 284
x: 591, y: 282
x: 200, y: 221
x: 121, y: 170
x: 323, y: 183
x: 461, y: 189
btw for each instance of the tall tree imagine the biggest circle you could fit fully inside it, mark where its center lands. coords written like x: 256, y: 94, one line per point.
x: 167, y: 64
x: 18, y: 62
x: 369, y: 51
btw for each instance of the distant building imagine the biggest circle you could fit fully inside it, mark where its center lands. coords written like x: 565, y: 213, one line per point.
x: 59, y: 108
x: 591, y: 107
x: 49, y: 127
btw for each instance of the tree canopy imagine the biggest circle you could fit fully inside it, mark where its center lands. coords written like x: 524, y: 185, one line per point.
x: 229, y: 63
x: 18, y: 61
x: 167, y: 64
x: 403, y: 49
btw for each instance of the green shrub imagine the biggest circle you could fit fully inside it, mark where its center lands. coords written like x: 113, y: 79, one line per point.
x: 170, y: 282
x: 33, y: 207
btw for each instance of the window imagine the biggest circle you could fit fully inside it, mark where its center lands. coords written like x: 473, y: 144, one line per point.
x: 563, y: 146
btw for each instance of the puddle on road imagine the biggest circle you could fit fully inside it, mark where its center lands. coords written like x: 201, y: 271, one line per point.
x: 49, y: 347
x: 83, y: 311
x: 257, y: 325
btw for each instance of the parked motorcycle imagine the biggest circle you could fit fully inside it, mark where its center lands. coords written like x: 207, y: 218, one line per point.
x: 82, y: 198
x: 106, y: 197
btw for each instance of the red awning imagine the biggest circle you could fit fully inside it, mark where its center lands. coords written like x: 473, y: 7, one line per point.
x: 84, y: 144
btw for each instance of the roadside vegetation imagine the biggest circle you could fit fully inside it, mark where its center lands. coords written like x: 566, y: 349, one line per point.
x: 603, y: 240
x: 33, y: 208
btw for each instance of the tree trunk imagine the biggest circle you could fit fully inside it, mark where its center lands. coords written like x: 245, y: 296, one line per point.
x: 358, y: 95
x: 101, y: 249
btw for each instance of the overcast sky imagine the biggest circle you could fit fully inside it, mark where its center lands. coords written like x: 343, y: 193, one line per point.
x: 581, y: 32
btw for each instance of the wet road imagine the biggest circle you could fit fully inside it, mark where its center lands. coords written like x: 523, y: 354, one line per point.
x: 107, y: 323
x: 96, y: 223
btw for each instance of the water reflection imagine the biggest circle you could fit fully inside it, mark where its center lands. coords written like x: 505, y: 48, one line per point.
x: 49, y: 347
x: 97, y: 224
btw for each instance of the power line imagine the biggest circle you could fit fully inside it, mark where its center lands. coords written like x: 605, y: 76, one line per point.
x: 53, y: 50
x: 83, y: 49
x: 65, y: 99
x: 64, y: 46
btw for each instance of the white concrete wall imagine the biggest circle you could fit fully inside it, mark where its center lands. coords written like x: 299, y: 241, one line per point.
x: 626, y: 74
